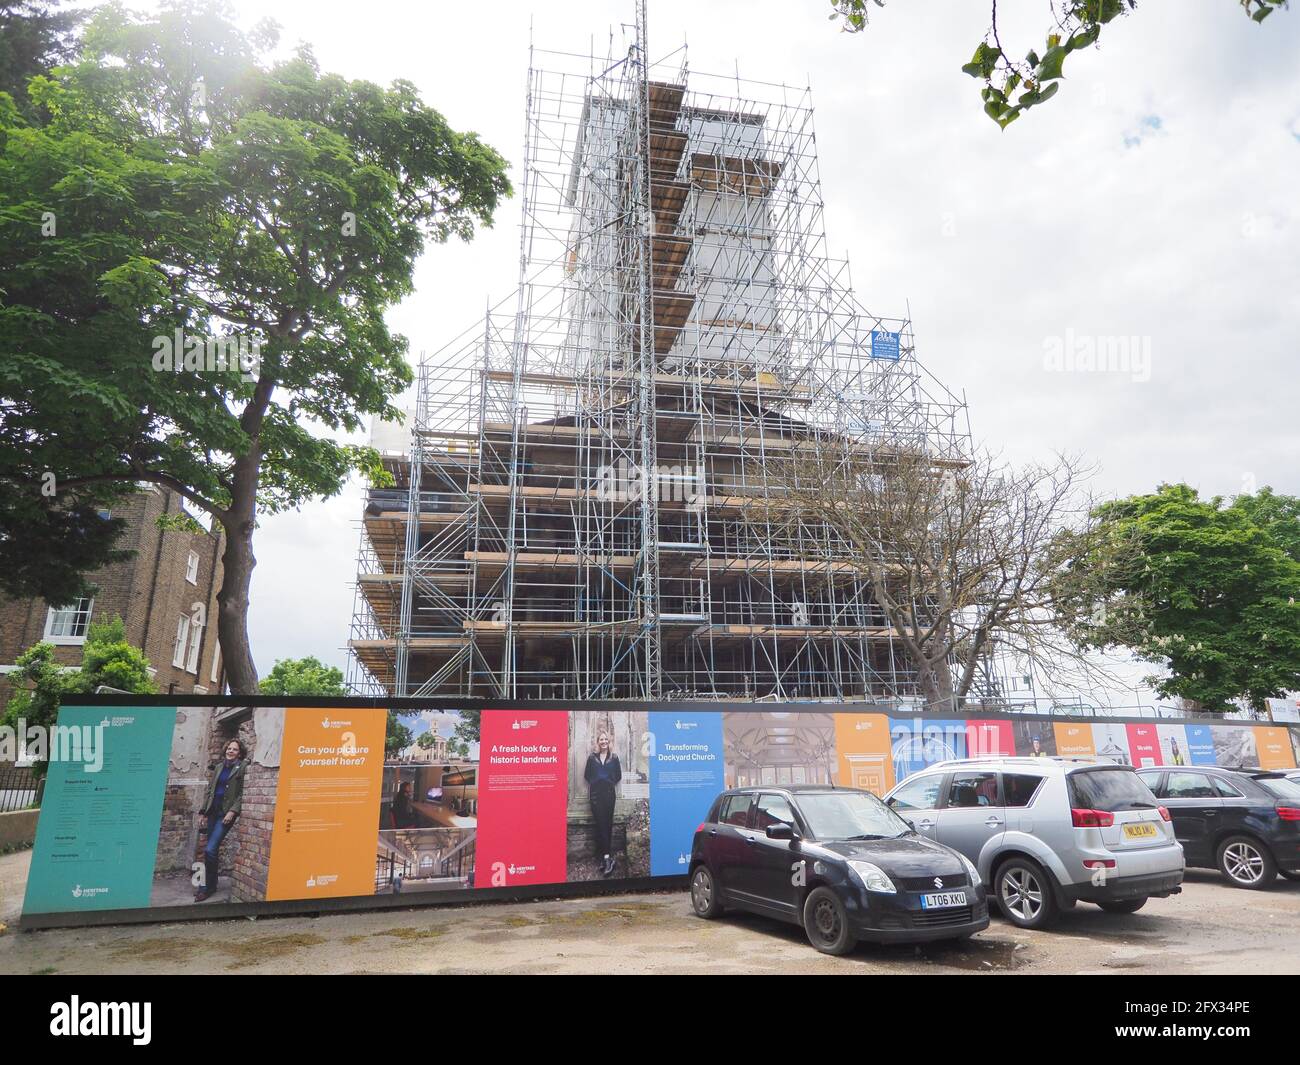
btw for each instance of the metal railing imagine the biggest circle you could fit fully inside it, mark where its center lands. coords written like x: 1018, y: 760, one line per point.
x: 20, y: 788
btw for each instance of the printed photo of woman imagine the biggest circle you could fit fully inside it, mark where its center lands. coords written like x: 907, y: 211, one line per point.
x: 608, y: 808
x: 602, y: 775
x: 224, y: 798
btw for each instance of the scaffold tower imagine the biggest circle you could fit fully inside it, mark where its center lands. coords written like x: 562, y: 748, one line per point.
x: 568, y: 515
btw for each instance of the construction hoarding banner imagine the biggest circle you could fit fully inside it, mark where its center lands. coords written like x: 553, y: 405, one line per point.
x: 162, y: 811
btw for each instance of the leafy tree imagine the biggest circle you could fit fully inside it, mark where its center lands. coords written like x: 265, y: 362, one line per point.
x: 302, y: 676
x: 34, y: 38
x: 1037, y: 77
x: 107, y: 660
x: 210, y: 210
x: 1277, y: 515
x: 425, y: 740
x: 467, y: 729
x: 46, y: 551
x: 1212, y: 595
x: 397, y: 735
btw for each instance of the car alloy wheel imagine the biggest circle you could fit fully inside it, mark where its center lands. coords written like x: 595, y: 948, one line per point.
x: 1243, y: 862
x: 1022, y: 894
x: 702, y: 891
x: 706, y: 899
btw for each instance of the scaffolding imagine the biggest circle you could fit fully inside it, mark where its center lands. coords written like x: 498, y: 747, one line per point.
x: 568, y: 519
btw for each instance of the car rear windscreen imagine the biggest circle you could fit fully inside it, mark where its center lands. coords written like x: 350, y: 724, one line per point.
x: 1109, y: 790
x: 1280, y: 787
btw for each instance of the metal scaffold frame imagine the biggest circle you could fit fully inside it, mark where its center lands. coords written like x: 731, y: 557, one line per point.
x: 567, y: 518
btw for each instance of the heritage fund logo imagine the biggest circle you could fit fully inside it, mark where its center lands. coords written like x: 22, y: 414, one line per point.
x: 121, y: 1019
x: 502, y: 872
x: 526, y: 723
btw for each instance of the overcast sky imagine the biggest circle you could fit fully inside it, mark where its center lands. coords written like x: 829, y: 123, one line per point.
x: 1155, y: 198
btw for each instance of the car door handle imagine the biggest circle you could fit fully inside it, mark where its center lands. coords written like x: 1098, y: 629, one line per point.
x: 749, y: 840
x: 925, y: 824
x: 713, y: 832
x: 992, y: 822
x: 1211, y: 813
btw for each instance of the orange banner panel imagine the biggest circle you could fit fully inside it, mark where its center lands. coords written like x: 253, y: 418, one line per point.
x: 1274, y: 747
x: 327, y: 809
x: 1074, y: 740
x: 862, y: 748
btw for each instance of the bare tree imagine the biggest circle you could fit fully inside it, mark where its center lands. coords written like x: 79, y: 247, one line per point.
x: 962, y: 557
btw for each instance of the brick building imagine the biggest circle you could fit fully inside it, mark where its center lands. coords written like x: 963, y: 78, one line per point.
x: 165, y: 594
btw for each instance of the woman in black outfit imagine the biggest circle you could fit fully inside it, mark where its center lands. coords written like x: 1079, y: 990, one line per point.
x: 602, y: 775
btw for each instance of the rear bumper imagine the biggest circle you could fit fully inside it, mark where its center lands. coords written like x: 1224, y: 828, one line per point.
x: 1287, y: 855
x: 1116, y: 889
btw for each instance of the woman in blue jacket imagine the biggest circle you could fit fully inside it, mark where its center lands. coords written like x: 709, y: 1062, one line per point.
x: 602, y: 775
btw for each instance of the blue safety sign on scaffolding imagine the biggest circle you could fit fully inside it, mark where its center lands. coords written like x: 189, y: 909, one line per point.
x: 884, y: 345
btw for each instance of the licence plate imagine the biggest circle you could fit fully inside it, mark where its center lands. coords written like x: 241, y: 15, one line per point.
x: 944, y: 898
x: 1142, y: 830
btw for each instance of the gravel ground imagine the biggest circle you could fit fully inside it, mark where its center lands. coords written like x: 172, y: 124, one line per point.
x: 1209, y: 928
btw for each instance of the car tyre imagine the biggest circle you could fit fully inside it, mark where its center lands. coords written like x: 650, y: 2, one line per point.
x: 826, y: 923
x: 1247, y: 863
x: 1025, y: 894
x: 1124, y: 905
x: 705, y: 900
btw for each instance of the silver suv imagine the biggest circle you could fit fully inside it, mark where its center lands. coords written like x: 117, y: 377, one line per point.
x: 1048, y: 832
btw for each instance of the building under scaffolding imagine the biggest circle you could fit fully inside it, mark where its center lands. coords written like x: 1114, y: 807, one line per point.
x: 568, y: 519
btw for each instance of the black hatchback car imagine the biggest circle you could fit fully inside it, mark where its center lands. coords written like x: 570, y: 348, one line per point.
x: 1244, y: 822
x: 837, y: 861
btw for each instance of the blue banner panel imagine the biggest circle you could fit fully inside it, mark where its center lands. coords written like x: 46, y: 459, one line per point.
x: 919, y: 742
x: 1200, y: 744
x: 98, y: 833
x: 686, y: 775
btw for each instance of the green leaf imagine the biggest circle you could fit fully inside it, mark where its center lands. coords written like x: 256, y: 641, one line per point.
x: 1083, y: 39
x: 1050, y: 67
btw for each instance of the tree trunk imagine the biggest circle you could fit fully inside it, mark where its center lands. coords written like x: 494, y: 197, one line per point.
x: 935, y: 679
x: 232, y: 611
x: 238, y: 562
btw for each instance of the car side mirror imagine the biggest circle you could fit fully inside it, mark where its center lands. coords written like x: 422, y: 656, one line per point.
x: 781, y: 831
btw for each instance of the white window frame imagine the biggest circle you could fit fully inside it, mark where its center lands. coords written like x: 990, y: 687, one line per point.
x: 192, y: 568
x: 75, y: 610
x: 196, y: 644
x: 182, y: 642
x: 216, y: 662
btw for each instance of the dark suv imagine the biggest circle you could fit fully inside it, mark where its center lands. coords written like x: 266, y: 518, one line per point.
x: 836, y: 861
x: 1244, y: 822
